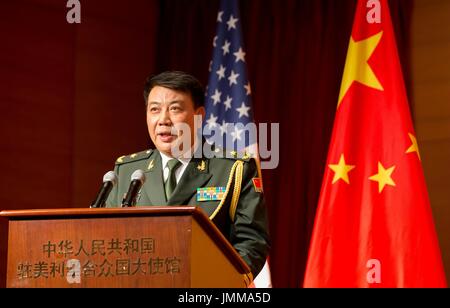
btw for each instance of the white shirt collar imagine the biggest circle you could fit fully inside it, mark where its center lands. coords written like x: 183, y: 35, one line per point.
x: 185, y: 161
x: 165, y: 159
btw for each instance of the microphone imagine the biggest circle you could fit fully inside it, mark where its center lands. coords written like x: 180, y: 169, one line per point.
x: 109, y: 180
x: 137, y: 180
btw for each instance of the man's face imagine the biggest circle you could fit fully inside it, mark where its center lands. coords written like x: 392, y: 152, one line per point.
x: 166, y: 110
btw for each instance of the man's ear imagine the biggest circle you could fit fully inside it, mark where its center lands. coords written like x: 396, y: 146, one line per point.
x: 201, y: 111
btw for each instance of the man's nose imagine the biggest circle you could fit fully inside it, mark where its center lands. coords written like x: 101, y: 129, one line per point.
x: 164, y: 117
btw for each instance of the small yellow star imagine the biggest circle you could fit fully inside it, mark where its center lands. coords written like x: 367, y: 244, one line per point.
x: 246, y: 156
x: 414, y: 147
x: 341, y: 170
x: 383, y: 177
x: 357, y: 67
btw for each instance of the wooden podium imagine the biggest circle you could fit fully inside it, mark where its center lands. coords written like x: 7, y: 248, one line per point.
x: 140, y: 247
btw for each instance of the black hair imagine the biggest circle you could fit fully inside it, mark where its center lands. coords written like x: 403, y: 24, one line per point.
x: 179, y: 81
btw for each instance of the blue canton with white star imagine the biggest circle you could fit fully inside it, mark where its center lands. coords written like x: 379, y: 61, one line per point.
x: 228, y: 95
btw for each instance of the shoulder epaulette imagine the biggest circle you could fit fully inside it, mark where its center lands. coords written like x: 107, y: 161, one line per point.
x: 244, y: 156
x: 134, y: 157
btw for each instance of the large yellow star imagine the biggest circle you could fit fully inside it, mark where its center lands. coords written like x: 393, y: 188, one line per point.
x: 341, y: 170
x: 414, y: 147
x: 383, y: 177
x: 357, y: 67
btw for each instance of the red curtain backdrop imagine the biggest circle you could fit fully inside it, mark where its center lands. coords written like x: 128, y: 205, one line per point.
x: 71, y: 96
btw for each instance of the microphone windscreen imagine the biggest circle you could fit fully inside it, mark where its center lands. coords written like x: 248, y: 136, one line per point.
x: 110, y: 177
x: 138, y: 175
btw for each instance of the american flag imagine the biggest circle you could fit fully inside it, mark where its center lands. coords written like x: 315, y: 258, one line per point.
x: 228, y: 96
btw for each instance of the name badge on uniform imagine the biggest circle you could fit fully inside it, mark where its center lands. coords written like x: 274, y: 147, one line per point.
x: 210, y: 193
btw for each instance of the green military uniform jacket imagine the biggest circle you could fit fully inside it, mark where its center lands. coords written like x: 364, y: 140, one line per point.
x: 245, y: 226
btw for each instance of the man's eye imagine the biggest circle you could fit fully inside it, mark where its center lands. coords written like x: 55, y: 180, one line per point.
x: 154, y: 109
x: 175, y: 108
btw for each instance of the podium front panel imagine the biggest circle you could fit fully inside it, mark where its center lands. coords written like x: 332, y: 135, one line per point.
x: 122, y: 252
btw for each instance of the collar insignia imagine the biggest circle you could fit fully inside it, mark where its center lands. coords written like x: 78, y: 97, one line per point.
x: 151, y: 165
x: 202, y: 166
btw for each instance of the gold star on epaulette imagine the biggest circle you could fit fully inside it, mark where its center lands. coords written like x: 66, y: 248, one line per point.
x: 246, y: 156
x: 234, y: 154
x: 120, y: 159
x: 133, y: 155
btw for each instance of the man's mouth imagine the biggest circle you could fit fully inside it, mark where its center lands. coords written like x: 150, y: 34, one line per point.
x: 166, y: 136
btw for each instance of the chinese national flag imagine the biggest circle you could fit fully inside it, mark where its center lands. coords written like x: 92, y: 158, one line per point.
x: 374, y: 225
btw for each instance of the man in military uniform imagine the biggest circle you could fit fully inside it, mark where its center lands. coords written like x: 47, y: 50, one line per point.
x: 227, y: 189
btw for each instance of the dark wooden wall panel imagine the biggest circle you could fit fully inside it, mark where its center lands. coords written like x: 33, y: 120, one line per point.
x: 69, y: 93
x: 431, y: 79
